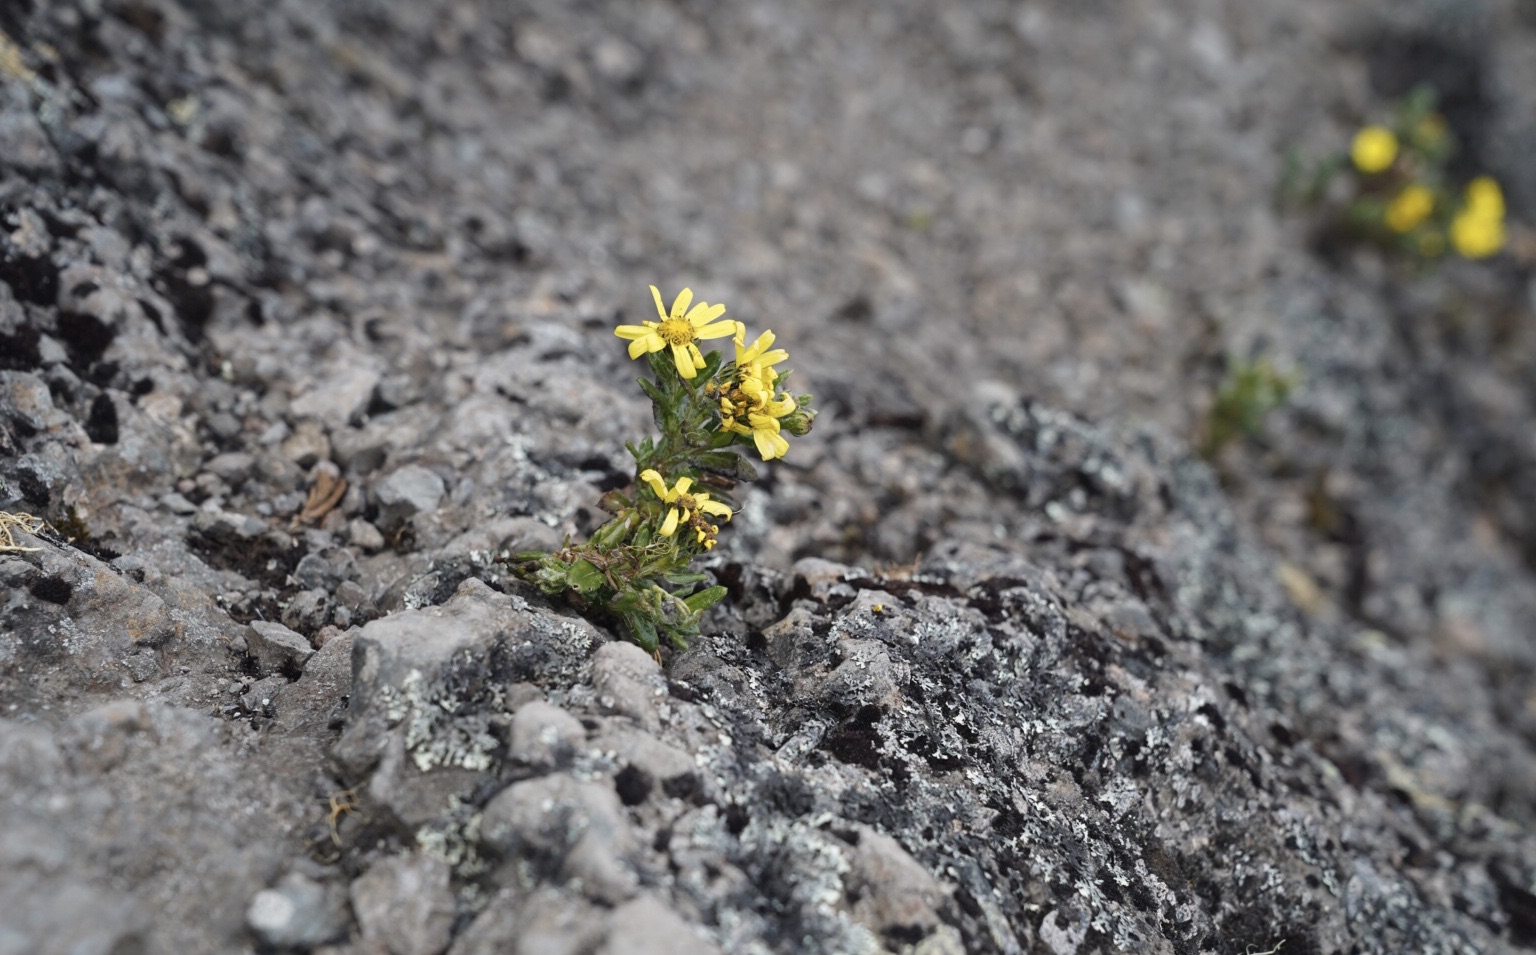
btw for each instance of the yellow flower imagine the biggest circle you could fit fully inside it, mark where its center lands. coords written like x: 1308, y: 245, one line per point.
x: 1476, y: 236
x: 686, y: 508
x: 753, y: 362
x: 1374, y: 149
x: 681, y: 329
x: 1411, y: 207
x: 1485, y: 198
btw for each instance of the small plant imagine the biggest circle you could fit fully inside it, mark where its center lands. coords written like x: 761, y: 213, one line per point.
x: 1252, y: 389
x: 635, y: 568
x: 1396, y: 191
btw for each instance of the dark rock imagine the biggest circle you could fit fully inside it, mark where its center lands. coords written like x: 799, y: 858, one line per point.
x: 277, y: 648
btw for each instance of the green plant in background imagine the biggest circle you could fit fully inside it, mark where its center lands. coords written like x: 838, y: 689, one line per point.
x: 1252, y: 389
x: 1395, y: 191
x: 635, y: 568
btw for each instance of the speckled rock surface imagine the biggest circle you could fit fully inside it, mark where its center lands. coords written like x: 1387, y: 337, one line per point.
x: 306, y: 317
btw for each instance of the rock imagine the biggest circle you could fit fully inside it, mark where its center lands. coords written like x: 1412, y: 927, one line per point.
x: 405, y: 902
x: 407, y: 492
x: 547, y: 921
x: 98, y: 739
x: 628, y: 682
x: 544, y: 736
x: 275, y: 647
x: 427, y: 691
x: 896, y: 896
x: 259, y: 698
x: 576, y: 827
x: 341, y: 396
x: 307, y: 611
x: 297, y: 912
x: 645, y: 925
x: 365, y: 535
x: 308, y: 445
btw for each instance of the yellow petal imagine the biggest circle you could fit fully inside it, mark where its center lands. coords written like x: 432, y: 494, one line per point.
x: 683, y: 361
x: 639, y: 347
x: 670, y: 524
x: 704, y: 313
x: 741, y: 334
x: 764, y: 445
x: 632, y: 332
x: 681, y: 303
x: 717, y: 330
x: 762, y: 422
x: 682, y: 486
x: 655, y: 343
x: 782, y: 407
x: 696, y: 355
x: 655, y: 480
x: 715, y: 508
x: 660, y: 309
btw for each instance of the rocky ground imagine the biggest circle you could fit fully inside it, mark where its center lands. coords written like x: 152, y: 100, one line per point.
x: 306, y: 316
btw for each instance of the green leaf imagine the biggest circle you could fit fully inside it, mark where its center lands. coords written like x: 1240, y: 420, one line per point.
x: 584, y: 577
x: 705, y: 599
x: 678, y: 578
x: 643, y: 632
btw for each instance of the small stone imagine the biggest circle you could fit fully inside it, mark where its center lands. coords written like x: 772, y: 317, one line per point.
x: 897, y: 896
x: 341, y: 398
x: 365, y: 535
x: 407, y: 492
x: 628, y: 681
x: 276, y: 647
x: 97, y: 740
x: 308, y: 611
x: 405, y: 902
x: 258, y: 699
x: 297, y: 912
x: 308, y: 444
x: 177, y: 504
x: 544, y: 736
x: 231, y: 467
x: 577, y: 826
x: 646, y: 926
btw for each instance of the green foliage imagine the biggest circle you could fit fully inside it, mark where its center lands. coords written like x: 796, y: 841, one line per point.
x: 1251, y: 390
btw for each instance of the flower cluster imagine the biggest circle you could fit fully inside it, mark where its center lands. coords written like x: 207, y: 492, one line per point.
x: 1397, y: 193
x: 634, y: 569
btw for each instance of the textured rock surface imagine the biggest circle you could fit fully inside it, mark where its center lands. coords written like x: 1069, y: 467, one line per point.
x: 305, y: 317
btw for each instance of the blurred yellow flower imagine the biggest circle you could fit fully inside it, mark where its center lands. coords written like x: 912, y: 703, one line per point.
x: 681, y: 329
x: 1410, y: 207
x: 1475, y: 236
x: 1374, y: 149
x: 1485, y: 198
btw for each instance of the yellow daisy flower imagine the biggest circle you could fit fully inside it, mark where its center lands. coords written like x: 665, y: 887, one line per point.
x: 1476, y: 236
x: 686, y: 508
x: 1409, y: 208
x: 1485, y: 198
x: 1374, y: 149
x: 681, y: 329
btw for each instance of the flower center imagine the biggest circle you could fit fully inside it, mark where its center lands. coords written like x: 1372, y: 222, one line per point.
x: 676, y: 331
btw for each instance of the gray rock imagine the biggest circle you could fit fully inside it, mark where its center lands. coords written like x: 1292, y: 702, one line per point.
x: 98, y: 739
x: 308, y: 445
x: 426, y: 711
x: 544, y: 736
x: 646, y: 925
x: 296, y: 912
x: 628, y: 682
x: 340, y: 397
x: 262, y: 694
x: 407, y: 492
x: 577, y: 827
x: 365, y: 535
x: 897, y: 897
x: 405, y: 902
x: 307, y: 611
x: 547, y: 921
x: 276, y: 647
